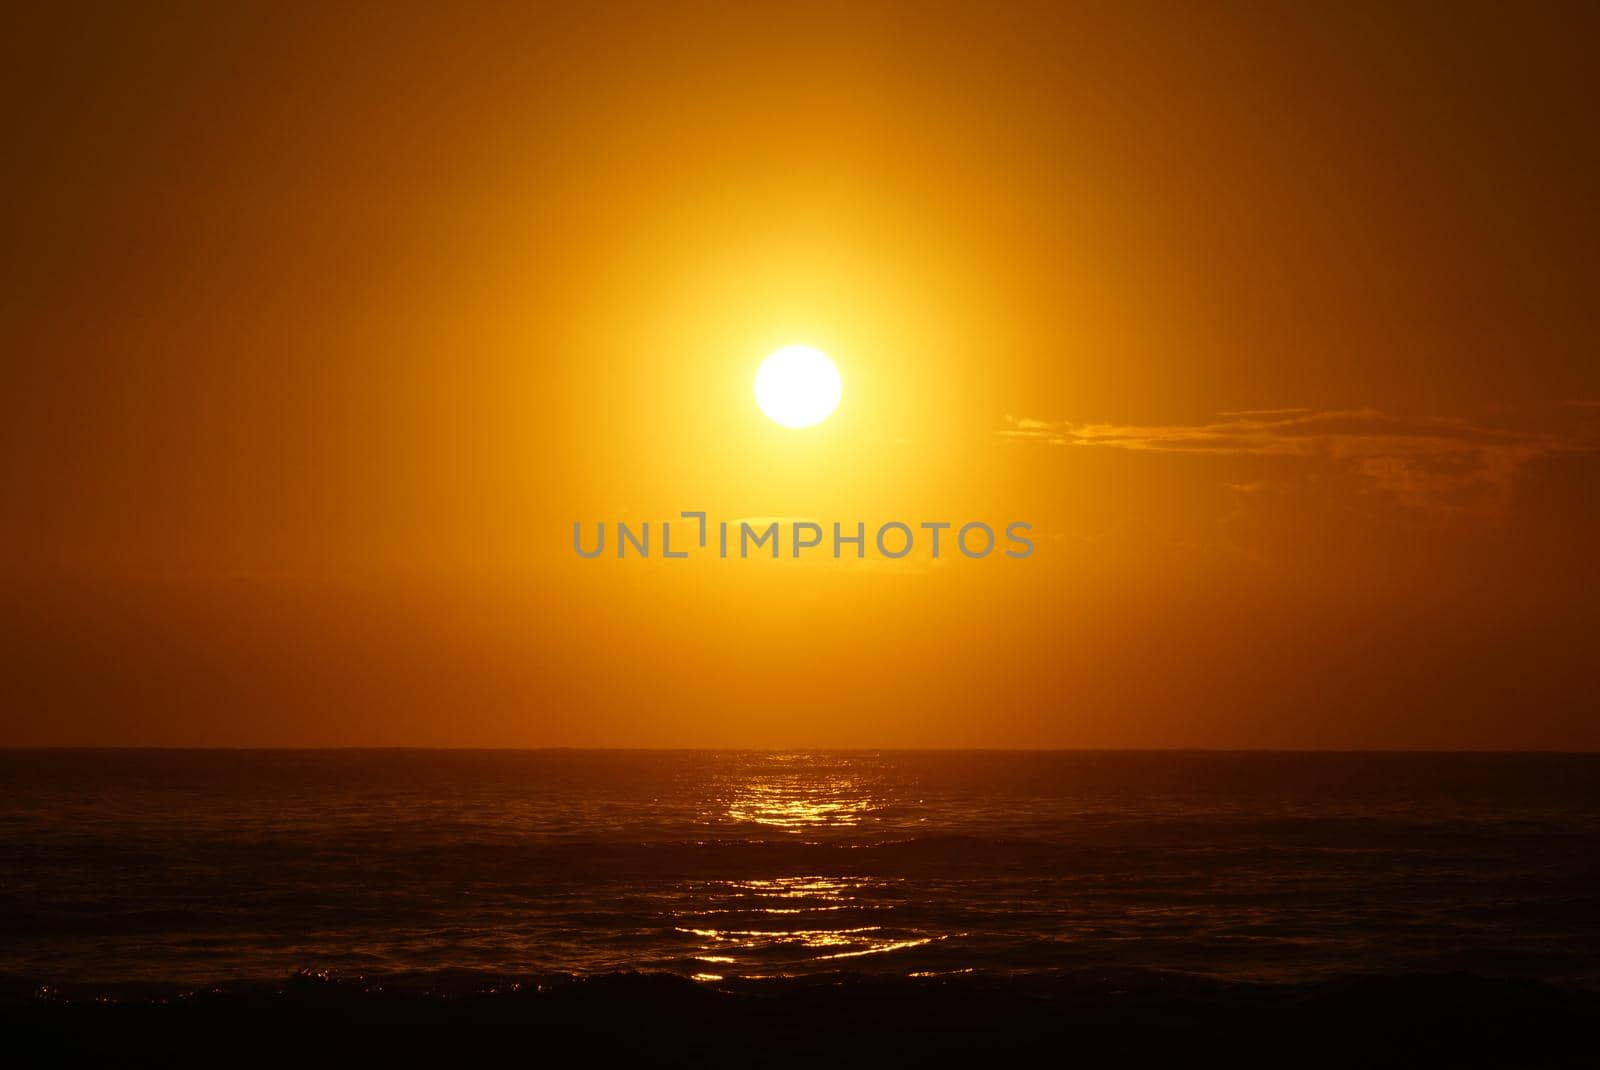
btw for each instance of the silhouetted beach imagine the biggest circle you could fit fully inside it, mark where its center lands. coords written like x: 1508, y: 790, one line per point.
x: 848, y: 1021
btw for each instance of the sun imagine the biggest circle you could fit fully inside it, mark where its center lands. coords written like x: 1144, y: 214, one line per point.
x: 798, y: 386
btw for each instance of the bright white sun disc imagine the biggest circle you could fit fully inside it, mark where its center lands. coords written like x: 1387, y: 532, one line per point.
x: 798, y: 386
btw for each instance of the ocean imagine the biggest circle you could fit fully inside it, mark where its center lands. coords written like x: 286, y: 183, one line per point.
x: 182, y: 868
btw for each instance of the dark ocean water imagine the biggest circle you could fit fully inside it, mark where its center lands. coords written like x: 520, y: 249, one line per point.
x: 181, y: 867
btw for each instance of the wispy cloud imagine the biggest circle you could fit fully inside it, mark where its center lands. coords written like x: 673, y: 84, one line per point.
x: 1264, y: 412
x: 1435, y: 464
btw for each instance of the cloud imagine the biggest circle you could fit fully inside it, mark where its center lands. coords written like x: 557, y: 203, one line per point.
x: 1263, y: 412
x: 1437, y: 465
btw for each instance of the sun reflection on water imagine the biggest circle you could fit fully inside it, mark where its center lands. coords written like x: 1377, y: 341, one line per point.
x: 760, y: 926
x: 793, y: 805
x: 732, y: 933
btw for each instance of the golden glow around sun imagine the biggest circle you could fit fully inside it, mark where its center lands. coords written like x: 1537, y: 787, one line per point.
x: 798, y: 386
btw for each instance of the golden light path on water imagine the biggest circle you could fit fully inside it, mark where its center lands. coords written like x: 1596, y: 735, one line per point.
x: 795, y: 804
x: 776, y: 804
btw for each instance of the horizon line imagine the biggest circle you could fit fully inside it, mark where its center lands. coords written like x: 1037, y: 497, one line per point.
x: 241, y: 748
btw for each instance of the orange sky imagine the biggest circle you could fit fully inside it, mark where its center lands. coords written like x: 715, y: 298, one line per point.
x: 1278, y: 323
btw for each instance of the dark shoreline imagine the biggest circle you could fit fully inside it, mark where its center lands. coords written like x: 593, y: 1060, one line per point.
x: 635, y: 1019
